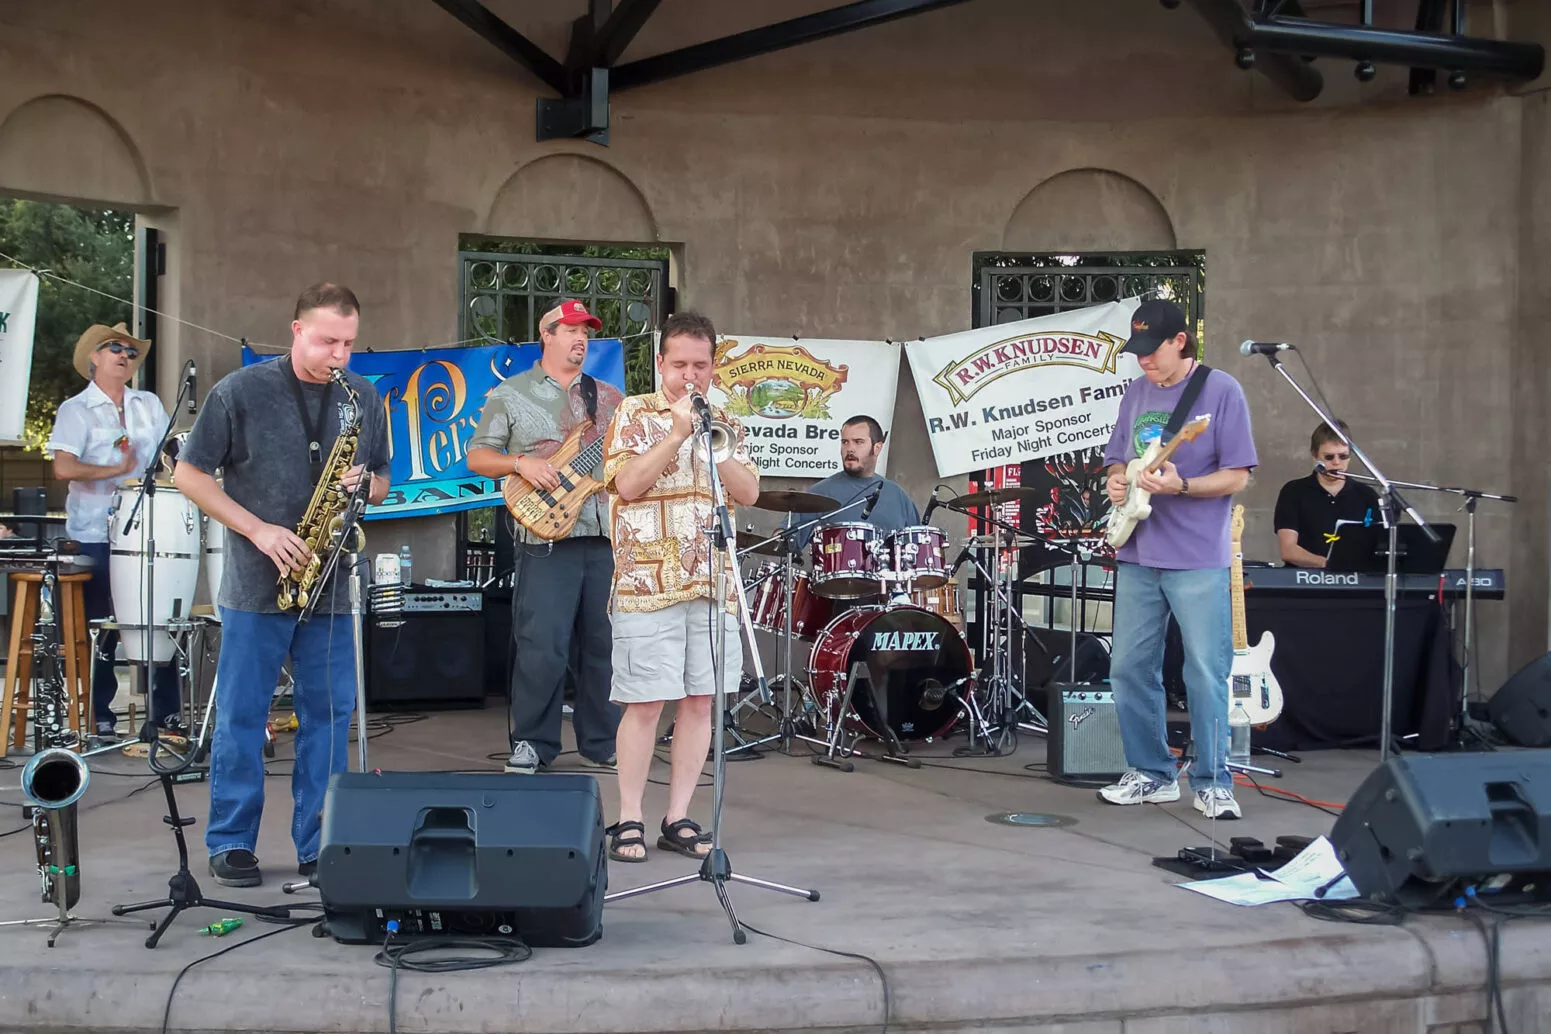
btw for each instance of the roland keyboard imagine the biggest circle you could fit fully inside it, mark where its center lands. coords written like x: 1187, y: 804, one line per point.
x: 1490, y: 583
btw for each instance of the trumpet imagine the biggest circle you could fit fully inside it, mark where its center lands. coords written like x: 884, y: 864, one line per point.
x: 723, y: 441
x: 53, y: 781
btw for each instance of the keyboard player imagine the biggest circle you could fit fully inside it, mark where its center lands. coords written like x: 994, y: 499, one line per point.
x: 1309, y: 507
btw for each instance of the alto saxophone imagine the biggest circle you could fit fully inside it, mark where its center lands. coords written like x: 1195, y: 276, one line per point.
x: 323, y: 521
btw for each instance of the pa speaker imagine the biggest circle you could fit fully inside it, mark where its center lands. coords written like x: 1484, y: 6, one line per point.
x: 463, y: 855
x: 1521, y: 709
x: 1422, y: 827
x: 1084, y: 738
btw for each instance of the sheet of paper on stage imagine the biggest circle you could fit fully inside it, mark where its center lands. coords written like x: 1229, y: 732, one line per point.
x: 1315, y: 867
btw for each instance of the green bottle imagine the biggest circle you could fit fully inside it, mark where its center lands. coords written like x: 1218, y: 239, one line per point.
x: 222, y: 928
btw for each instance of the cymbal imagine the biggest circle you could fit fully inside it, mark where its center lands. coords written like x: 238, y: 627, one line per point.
x: 795, y: 502
x: 753, y: 542
x: 995, y: 496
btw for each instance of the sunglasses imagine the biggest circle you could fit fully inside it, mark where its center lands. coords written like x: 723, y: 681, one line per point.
x: 119, y: 348
x: 1330, y: 457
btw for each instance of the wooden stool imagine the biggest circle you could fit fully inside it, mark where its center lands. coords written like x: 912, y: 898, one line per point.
x: 75, y: 656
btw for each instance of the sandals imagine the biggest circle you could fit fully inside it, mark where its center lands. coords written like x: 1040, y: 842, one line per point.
x: 682, y: 837
x: 626, y: 834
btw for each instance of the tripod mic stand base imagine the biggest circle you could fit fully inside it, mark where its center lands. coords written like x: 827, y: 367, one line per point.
x: 65, y: 922
x: 716, y: 869
x: 183, y: 893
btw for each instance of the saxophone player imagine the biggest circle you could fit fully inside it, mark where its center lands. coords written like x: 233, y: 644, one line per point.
x: 271, y: 429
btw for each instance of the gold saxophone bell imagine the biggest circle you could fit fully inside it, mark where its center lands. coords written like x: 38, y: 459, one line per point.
x: 53, y: 781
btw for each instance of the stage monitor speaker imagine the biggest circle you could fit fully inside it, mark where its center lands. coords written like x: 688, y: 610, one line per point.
x: 1084, y: 740
x: 425, y: 660
x: 1422, y: 827
x: 1521, y: 709
x: 463, y: 855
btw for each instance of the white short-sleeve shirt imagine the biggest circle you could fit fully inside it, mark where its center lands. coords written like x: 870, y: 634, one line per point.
x: 87, y: 427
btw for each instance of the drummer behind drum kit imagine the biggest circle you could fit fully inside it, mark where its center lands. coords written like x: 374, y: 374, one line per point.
x: 881, y: 618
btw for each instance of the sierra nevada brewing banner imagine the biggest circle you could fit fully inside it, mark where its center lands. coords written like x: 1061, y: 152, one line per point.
x: 1026, y: 390
x: 433, y: 398
x: 18, y: 316
x: 793, y: 395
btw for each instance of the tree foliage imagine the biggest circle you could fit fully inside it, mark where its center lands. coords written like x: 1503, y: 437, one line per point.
x: 94, y: 247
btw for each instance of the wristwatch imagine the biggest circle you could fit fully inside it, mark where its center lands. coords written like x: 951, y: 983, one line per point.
x: 1184, y: 486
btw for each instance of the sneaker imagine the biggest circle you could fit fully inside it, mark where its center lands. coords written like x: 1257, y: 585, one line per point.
x: 237, y: 868
x: 1216, y: 802
x: 174, y: 724
x: 106, y: 732
x: 1139, y: 788
x: 611, y: 763
x: 524, y: 759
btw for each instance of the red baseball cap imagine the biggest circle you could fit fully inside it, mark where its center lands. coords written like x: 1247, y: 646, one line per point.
x: 571, y: 311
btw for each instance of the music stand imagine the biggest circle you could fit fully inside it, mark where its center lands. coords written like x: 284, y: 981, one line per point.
x: 1365, y: 550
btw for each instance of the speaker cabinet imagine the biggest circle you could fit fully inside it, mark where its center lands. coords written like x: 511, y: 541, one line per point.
x: 1084, y: 741
x: 1521, y: 709
x: 1422, y: 827
x: 463, y: 855
x: 425, y: 660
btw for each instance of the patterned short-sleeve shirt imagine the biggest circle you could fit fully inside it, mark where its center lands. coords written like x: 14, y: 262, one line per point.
x: 661, y: 551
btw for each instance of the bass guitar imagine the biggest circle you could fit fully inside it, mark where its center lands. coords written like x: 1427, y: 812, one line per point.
x: 1251, y: 685
x: 1137, y: 505
x: 552, y: 515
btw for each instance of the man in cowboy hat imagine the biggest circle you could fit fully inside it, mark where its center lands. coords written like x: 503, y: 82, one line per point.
x: 103, y: 437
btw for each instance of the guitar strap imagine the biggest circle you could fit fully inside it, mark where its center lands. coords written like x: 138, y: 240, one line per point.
x: 1186, y: 400
x: 590, y: 398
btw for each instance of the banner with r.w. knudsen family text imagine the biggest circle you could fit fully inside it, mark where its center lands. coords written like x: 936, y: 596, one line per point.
x: 432, y: 399
x: 1025, y: 390
x: 793, y: 395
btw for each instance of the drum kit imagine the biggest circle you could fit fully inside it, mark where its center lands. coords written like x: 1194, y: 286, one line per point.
x: 881, y: 618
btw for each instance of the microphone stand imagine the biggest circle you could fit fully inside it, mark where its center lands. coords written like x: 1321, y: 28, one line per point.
x: 716, y: 868
x: 1391, y: 506
x: 148, y: 731
x: 1471, y: 497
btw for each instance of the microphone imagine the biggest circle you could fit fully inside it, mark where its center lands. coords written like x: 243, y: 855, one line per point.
x: 926, y: 518
x: 1263, y: 347
x: 1320, y: 468
x: 876, y: 493
x: 193, y: 388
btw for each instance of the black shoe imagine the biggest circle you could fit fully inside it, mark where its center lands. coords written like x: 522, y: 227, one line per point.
x: 174, y: 724
x: 237, y: 868
x: 307, y: 868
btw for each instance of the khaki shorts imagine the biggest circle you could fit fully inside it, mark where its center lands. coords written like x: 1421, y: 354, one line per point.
x: 666, y: 654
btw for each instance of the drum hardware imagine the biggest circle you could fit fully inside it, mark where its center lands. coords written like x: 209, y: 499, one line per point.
x: 896, y: 752
x: 716, y: 868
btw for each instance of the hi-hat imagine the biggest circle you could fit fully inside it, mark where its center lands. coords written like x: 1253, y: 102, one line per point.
x: 995, y: 496
x: 795, y: 502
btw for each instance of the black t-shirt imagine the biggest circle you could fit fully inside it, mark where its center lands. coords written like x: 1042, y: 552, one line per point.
x: 1305, y: 507
x: 250, y: 431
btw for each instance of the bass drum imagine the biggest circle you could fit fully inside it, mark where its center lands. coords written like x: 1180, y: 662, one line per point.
x: 919, y: 665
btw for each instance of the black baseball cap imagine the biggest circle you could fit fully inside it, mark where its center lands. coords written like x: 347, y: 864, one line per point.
x: 1152, y: 324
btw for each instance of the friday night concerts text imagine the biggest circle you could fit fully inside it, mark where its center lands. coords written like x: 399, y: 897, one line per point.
x: 785, y: 447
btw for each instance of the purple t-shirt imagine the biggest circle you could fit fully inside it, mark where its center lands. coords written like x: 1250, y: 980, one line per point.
x: 1184, y: 533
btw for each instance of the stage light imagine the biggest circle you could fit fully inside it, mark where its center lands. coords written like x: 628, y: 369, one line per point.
x: 1365, y: 71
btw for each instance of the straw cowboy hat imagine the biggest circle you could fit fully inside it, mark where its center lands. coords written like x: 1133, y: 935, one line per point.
x: 96, y: 336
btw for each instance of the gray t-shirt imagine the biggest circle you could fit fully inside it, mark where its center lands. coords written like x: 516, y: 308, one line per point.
x: 893, y: 511
x: 251, y: 434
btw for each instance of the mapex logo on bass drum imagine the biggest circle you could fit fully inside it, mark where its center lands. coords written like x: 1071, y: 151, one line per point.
x: 906, y: 642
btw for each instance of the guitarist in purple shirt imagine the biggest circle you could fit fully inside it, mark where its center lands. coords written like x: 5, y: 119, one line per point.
x: 1176, y: 561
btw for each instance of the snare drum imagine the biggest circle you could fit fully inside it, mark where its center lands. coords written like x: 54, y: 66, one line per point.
x: 176, y: 575
x: 767, y: 604
x: 943, y: 601
x: 845, y: 561
x: 918, y: 555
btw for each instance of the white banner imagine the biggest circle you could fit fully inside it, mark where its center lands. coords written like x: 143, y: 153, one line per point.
x: 18, y: 315
x: 792, y: 396
x: 1022, y: 391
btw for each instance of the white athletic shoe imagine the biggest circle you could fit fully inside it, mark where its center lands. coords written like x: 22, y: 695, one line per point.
x: 1139, y: 788
x: 1216, y: 802
x: 524, y: 759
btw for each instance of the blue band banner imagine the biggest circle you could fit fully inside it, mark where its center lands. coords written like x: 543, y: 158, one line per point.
x: 432, y: 398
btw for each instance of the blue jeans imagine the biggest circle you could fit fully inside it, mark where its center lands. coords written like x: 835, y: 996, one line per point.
x: 1144, y: 598
x: 253, y: 649
x: 97, y: 601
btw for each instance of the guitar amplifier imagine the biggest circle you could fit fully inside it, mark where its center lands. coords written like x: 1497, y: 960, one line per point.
x: 1084, y: 741
x: 427, y: 656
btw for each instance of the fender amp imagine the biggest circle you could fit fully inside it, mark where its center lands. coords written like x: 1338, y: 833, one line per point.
x: 1084, y: 740
x: 1422, y: 827
x: 463, y: 855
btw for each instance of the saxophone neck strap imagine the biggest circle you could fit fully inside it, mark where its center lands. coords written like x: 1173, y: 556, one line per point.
x: 312, y: 424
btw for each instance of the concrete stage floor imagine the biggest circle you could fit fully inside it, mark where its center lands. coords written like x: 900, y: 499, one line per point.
x: 976, y: 924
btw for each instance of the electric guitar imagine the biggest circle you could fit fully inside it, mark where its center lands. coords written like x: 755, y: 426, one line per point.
x: 1251, y: 685
x: 1137, y: 506
x: 552, y: 515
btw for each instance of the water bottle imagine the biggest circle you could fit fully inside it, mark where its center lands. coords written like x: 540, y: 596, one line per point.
x: 1238, y: 734
x: 406, y: 561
